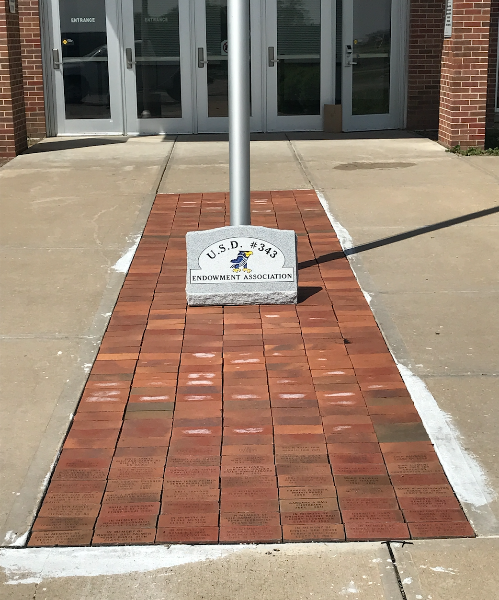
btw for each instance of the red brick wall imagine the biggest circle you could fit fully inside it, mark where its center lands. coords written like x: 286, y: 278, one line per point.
x: 29, y: 25
x: 491, y: 90
x: 463, y: 89
x: 12, y: 114
x: 426, y: 35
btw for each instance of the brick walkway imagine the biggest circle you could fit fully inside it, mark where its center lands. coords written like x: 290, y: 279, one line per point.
x: 244, y: 424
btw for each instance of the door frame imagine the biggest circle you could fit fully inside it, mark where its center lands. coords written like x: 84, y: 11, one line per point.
x: 396, y: 118
x: 275, y: 122
x: 157, y: 126
x: 74, y: 127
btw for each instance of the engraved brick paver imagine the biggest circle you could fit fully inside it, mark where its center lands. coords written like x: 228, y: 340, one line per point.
x: 244, y: 424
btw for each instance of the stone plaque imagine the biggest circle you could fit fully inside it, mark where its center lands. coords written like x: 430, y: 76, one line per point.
x: 372, y: 515
x: 376, y: 530
x: 250, y: 519
x: 186, y: 520
x: 72, y: 498
x: 124, y: 536
x: 433, y: 502
x: 231, y: 505
x: 259, y: 481
x: 295, y: 506
x: 310, y: 533
x: 307, y: 518
x: 194, y: 507
x: 79, y: 474
x: 358, y: 504
x: 192, y: 484
x: 293, y: 493
x: 127, y: 497
x: 209, y: 495
x: 136, y: 472
x: 366, y: 491
x: 305, y: 480
x: 133, y: 508
x: 138, y: 461
x: 248, y: 470
x: 63, y: 523
x: 241, y: 265
x: 63, y: 509
x: 424, y: 490
x: 60, y: 538
x: 441, y: 530
x: 306, y: 459
x: 134, y: 485
x: 440, y: 515
x: 137, y: 522
x: 240, y: 493
x: 188, y: 534
x: 248, y: 534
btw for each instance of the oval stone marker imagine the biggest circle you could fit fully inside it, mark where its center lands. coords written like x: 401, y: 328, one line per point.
x: 241, y: 265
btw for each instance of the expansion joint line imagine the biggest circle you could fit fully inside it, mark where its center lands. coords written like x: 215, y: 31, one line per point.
x: 394, y: 563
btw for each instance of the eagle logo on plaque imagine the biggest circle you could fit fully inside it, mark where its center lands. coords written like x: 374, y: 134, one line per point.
x: 241, y: 261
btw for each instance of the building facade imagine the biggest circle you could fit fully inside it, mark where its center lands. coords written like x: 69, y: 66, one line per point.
x: 135, y: 67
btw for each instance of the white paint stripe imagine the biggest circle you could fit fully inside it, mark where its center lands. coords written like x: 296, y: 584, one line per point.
x: 343, y: 235
x: 345, y: 238
x: 465, y: 474
x: 33, y: 565
x: 123, y: 264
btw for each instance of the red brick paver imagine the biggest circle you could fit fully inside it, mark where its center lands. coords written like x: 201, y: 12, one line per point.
x: 244, y: 424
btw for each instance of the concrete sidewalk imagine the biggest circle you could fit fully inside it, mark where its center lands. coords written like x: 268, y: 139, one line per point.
x: 71, y: 211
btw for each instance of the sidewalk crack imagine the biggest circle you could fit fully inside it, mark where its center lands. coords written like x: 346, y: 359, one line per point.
x: 394, y: 565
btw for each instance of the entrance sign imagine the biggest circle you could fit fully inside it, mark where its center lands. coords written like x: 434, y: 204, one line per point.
x: 448, y: 18
x: 241, y: 265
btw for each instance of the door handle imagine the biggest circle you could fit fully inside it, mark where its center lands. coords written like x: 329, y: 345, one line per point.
x: 56, y: 61
x: 349, y: 56
x: 272, y: 59
x: 129, y: 58
x: 201, y: 60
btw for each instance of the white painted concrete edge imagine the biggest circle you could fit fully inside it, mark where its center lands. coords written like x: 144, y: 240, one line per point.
x: 123, y: 264
x: 33, y: 565
x: 467, y: 477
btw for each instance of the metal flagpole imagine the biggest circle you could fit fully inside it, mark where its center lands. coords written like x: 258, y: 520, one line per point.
x: 238, y: 16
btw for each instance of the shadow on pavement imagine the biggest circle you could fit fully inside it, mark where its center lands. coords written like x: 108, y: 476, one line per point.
x: 56, y: 144
x: 400, y: 237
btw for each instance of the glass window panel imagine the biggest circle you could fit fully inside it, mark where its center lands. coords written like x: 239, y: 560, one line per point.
x: 84, y: 59
x: 299, y: 55
x: 157, y: 56
x: 218, y: 65
x: 372, y: 47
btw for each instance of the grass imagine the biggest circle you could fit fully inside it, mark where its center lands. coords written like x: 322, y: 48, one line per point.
x: 491, y: 146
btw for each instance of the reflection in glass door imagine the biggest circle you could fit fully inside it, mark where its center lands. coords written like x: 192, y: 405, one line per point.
x: 157, y: 66
x: 86, y: 63
x: 211, y: 62
x: 298, y: 63
x: 372, y: 65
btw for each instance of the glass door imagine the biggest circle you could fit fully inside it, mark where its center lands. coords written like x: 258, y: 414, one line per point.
x: 372, y: 96
x: 87, y: 65
x: 211, y: 64
x: 157, y: 56
x: 299, y: 59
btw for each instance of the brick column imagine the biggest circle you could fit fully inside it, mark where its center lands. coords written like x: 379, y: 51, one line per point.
x: 12, y: 113
x: 29, y: 26
x: 491, y: 92
x: 463, y: 89
x: 426, y: 36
